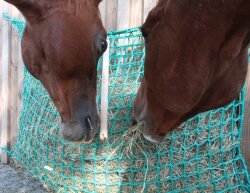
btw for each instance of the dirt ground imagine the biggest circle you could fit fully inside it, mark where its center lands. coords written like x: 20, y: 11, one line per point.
x: 12, y: 181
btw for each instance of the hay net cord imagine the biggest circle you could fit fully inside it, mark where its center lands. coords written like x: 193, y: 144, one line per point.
x: 202, y: 155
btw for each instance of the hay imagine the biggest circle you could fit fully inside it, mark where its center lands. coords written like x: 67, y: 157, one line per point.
x: 126, y: 157
x: 196, y: 157
x: 132, y: 144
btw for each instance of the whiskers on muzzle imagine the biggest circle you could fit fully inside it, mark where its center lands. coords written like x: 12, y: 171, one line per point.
x: 88, y: 122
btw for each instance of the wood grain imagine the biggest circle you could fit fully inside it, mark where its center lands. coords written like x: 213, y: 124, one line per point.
x: 123, y: 14
x: 147, y: 6
x: 5, y: 108
x: 245, y: 144
x: 111, y: 15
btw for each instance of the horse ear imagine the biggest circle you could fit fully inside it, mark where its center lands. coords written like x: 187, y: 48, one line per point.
x: 31, y: 9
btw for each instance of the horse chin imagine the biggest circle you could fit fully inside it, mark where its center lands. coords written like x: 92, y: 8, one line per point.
x: 151, y: 136
x: 148, y: 131
x: 75, y: 132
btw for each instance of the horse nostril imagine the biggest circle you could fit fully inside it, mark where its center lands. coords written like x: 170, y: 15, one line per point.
x: 88, y: 123
x: 134, y: 122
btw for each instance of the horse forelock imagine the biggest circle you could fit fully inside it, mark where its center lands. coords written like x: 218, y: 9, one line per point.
x: 80, y: 5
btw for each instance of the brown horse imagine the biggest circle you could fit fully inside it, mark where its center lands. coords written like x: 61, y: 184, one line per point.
x: 61, y: 46
x: 196, y: 61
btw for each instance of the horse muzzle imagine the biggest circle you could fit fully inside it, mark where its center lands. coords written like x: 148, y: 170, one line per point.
x: 80, y: 132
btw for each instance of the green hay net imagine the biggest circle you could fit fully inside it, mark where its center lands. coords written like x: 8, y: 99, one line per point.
x: 202, y: 155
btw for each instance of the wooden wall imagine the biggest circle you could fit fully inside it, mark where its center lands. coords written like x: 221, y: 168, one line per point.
x: 11, y: 81
x: 122, y: 14
x: 116, y: 14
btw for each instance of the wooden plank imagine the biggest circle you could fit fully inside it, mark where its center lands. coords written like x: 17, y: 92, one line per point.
x: 105, y: 95
x: 1, y: 9
x: 14, y: 63
x: 111, y: 15
x: 123, y: 14
x: 246, y: 126
x: 136, y: 13
x: 148, y: 5
x: 5, y: 87
x: 20, y: 80
x: 102, y: 8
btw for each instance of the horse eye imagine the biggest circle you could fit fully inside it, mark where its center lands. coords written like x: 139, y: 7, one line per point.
x: 104, y: 45
x: 144, y: 32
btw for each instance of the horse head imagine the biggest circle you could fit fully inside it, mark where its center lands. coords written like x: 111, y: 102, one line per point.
x: 62, y: 43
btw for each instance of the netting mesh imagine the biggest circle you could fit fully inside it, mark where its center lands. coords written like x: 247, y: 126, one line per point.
x: 202, y: 155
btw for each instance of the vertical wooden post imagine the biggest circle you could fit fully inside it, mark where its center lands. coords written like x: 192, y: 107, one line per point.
x: 111, y: 15
x: 148, y: 5
x: 102, y: 8
x: 123, y: 16
x: 246, y: 126
x: 20, y: 80
x: 14, y: 74
x: 5, y: 86
x: 105, y: 95
x: 1, y: 30
x: 136, y: 12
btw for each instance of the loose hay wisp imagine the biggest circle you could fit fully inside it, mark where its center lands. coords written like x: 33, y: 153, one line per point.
x: 203, y: 155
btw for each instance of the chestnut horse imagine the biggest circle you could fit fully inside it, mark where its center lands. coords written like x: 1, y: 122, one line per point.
x: 196, y: 60
x: 61, y: 46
